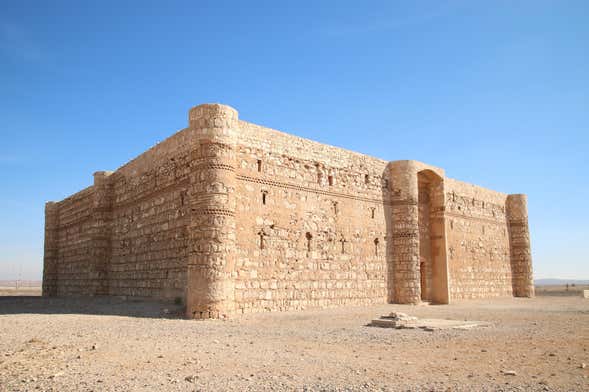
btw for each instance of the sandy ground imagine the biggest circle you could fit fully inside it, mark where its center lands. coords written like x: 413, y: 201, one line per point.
x: 116, y: 345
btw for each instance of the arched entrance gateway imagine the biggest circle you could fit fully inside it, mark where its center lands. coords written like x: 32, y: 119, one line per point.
x: 432, y: 238
x: 419, y: 264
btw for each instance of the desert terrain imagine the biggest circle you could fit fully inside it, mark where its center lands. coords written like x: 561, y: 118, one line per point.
x: 56, y: 344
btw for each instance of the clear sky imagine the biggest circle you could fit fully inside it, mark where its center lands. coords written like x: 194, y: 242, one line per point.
x: 495, y: 92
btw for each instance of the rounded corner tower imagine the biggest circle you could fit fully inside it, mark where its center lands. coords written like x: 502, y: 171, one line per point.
x: 211, y: 250
x: 519, y: 242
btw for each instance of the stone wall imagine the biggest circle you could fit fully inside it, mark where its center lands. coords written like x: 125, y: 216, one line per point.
x: 72, y: 261
x: 150, y: 216
x: 234, y: 218
x: 311, y: 224
x: 478, y: 242
x: 127, y: 234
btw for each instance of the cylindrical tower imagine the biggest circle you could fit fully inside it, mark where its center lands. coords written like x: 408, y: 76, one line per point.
x: 210, y: 287
x: 50, y: 259
x: 519, y: 243
x: 405, y: 224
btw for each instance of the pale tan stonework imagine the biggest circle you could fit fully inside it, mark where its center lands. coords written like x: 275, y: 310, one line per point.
x: 233, y: 217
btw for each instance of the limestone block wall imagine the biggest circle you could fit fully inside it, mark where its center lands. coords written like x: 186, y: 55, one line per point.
x: 51, y: 249
x: 150, y: 217
x: 311, y: 224
x: 71, y: 260
x: 127, y: 234
x: 478, y: 242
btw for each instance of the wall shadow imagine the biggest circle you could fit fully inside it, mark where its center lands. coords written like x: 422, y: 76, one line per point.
x: 105, y: 306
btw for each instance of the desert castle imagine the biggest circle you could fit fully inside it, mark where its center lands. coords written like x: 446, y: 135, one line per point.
x: 233, y: 217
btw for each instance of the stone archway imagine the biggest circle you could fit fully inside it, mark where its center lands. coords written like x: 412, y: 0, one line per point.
x: 432, y: 238
x: 418, y: 234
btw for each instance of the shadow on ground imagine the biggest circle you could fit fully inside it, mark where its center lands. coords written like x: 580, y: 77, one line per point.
x: 111, y: 306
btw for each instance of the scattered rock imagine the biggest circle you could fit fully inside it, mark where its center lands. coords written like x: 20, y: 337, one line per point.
x: 401, y: 316
x: 509, y: 373
x: 191, y: 379
x: 583, y: 365
x: 56, y: 375
x: 94, y: 346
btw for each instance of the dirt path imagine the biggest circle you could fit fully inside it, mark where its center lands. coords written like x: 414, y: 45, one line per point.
x: 115, y: 345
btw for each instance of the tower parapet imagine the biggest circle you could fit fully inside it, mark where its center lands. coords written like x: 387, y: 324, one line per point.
x: 211, y: 259
x: 519, y: 243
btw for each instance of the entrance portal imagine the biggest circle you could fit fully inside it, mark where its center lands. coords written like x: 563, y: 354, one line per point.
x: 432, y: 247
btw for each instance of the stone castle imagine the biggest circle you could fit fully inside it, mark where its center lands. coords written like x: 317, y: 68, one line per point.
x: 232, y: 217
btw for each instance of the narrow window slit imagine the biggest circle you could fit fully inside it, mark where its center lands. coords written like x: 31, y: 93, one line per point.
x: 264, y: 193
x: 262, y: 243
x: 309, y: 237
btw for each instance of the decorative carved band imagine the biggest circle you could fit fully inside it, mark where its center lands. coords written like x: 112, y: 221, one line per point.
x: 404, y: 202
x: 405, y: 234
x: 140, y: 197
x: 214, y: 211
x: 212, y: 165
x: 280, y: 184
x: 518, y: 222
x: 452, y: 196
x: 475, y: 218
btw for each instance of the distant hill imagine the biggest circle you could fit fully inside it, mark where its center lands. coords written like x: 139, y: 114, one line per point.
x: 555, y: 282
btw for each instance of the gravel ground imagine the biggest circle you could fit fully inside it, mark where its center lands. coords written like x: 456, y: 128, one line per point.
x: 106, y: 344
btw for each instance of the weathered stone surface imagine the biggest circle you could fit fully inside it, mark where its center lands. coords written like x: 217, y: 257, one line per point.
x: 404, y: 321
x: 232, y: 217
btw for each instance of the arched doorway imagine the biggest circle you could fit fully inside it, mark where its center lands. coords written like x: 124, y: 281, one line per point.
x: 432, y: 243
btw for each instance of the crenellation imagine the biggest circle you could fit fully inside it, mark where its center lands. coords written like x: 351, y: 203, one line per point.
x: 232, y: 218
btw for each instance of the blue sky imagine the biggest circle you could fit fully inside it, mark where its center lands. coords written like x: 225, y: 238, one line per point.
x: 497, y: 93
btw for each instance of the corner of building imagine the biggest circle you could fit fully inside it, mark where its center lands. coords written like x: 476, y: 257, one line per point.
x: 211, y: 254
